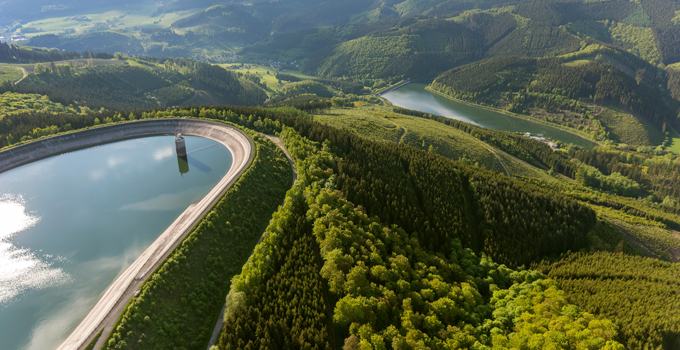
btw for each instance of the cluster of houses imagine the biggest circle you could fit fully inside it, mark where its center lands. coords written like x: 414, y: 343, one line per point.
x: 226, y: 55
x: 13, y: 38
x: 295, y: 64
x: 544, y: 140
x: 278, y: 64
x: 78, y: 18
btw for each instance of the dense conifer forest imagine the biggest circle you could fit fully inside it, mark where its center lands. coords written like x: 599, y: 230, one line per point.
x: 619, y: 286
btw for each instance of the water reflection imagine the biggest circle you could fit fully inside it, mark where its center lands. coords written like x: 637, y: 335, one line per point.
x: 183, y: 164
x: 184, y: 161
x: 20, y: 269
x: 414, y: 96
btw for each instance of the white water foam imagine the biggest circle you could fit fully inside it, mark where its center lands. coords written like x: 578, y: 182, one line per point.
x: 20, y: 269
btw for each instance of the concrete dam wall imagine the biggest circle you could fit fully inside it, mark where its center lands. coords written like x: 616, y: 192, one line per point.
x: 30, y: 152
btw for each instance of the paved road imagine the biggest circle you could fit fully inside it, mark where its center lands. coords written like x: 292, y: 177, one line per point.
x: 107, y: 311
x: 220, y: 319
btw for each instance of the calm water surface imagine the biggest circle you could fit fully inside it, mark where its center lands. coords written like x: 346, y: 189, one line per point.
x: 414, y: 96
x: 70, y: 224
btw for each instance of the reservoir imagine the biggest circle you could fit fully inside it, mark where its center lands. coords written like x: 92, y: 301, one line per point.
x: 70, y: 224
x: 414, y: 96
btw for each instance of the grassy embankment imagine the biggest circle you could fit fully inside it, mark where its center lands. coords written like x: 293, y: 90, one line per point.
x: 94, y: 341
x: 181, y: 300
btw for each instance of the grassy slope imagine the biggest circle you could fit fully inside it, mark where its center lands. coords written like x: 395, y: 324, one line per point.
x: 651, y: 241
x: 180, y: 301
x: 518, y: 167
x: 675, y: 143
x: 363, y: 122
x: 380, y: 123
x: 9, y: 73
x: 626, y: 128
x: 267, y: 74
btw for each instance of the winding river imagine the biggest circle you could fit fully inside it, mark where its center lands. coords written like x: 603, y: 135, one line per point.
x: 414, y: 96
x: 70, y: 224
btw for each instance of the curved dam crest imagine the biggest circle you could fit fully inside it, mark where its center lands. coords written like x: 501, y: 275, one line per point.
x: 107, y: 310
x: 30, y: 152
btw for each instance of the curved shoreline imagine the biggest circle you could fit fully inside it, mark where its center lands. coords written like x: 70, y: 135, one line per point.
x: 107, y: 310
x: 518, y: 116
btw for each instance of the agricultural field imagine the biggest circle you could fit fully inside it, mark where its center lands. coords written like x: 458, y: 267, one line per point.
x: 266, y: 74
x: 113, y: 18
